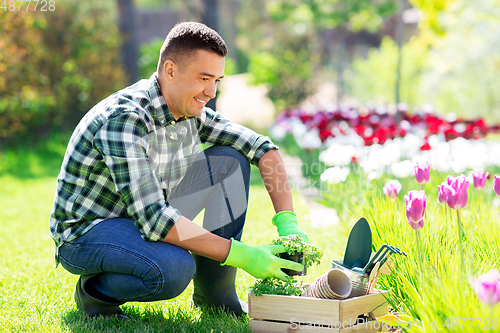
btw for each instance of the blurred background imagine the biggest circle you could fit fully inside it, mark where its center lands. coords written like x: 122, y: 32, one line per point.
x: 438, y: 55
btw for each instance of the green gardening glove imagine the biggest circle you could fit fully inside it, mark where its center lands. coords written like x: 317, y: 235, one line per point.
x: 286, y: 221
x: 260, y: 261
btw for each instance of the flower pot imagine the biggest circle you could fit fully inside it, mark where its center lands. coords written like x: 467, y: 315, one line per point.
x: 334, y: 284
x: 297, y: 257
x: 359, y: 280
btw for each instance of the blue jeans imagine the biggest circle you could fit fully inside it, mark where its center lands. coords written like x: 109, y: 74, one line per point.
x: 128, y: 268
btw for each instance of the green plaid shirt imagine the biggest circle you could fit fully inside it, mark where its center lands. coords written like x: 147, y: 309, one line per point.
x: 128, y: 153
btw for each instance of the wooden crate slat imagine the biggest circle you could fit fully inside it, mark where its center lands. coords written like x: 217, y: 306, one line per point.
x: 263, y: 326
x: 375, y: 303
x: 277, y: 313
x: 287, y: 308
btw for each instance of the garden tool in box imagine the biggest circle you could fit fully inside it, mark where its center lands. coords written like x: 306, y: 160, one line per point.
x: 381, y: 257
x: 356, y: 256
x: 357, y: 263
x: 359, y: 245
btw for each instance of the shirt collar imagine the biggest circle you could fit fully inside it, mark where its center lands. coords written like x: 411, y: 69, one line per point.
x: 163, y: 114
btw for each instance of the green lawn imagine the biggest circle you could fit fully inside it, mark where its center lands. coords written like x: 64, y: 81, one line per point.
x: 35, y: 297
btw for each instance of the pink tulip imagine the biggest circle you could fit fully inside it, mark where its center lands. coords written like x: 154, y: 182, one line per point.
x: 487, y: 287
x: 496, y: 185
x: 392, y: 188
x: 444, y: 191
x: 422, y: 172
x: 457, y: 196
x: 479, y: 177
x: 415, y: 208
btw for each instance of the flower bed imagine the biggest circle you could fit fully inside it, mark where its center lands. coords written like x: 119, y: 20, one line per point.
x: 380, y: 144
x: 450, y: 281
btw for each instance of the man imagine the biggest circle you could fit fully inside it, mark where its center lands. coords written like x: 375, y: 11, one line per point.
x: 133, y: 178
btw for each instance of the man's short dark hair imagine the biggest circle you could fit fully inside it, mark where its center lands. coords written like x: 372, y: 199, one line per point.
x: 188, y: 37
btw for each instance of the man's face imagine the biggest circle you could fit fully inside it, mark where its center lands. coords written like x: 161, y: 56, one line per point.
x: 193, y: 83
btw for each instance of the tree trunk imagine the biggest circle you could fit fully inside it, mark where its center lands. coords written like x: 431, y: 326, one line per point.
x: 341, y: 48
x: 399, y: 38
x: 210, y: 17
x: 126, y: 12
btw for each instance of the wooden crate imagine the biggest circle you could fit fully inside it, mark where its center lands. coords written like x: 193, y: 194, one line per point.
x: 277, y: 314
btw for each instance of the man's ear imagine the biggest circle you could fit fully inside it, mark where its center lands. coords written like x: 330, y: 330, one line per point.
x: 169, y: 70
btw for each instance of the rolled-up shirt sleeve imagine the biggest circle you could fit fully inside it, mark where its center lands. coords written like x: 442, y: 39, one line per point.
x: 217, y: 130
x: 123, y: 142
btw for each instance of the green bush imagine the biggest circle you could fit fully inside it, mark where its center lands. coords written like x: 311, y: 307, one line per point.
x: 286, y: 72
x: 55, y: 65
x: 374, y: 78
x: 148, y: 58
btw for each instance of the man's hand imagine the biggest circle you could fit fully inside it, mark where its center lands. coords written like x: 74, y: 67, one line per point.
x: 260, y: 261
x: 286, y: 221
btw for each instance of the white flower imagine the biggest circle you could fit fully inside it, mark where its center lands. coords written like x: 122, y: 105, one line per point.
x: 337, y: 154
x: 410, y: 145
x: 493, y: 153
x: 310, y: 140
x: 277, y: 132
x: 335, y: 175
x: 402, y: 169
x: 391, y: 153
x: 297, y: 128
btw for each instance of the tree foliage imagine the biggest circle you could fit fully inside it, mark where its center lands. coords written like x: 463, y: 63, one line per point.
x: 148, y: 58
x: 55, y: 65
x: 329, y: 14
x: 285, y: 44
x: 453, y: 63
x: 430, y: 23
x: 374, y: 78
x: 287, y: 70
x: 464, y: 65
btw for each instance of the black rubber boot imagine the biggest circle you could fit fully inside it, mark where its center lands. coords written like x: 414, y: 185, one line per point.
x: 214, y: 286
x: 91, y: 305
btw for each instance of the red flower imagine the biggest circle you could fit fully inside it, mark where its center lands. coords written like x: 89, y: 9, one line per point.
x: 425, y: 146
x: 360, y: 130
x: 325, y: 134
x: 434, y: 124
x: 305, y: 117
x: 449, y: 132
x: 381, y: 134
x: 370, y: 140
x: 399, y: 132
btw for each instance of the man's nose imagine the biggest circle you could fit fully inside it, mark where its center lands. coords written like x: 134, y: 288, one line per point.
x: 211, y: 90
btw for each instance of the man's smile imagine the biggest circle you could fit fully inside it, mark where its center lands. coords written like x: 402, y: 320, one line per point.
x: 201, y: 101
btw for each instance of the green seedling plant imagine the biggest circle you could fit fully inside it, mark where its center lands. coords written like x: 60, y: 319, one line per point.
x: 293, y: 244
x: 275, y: 286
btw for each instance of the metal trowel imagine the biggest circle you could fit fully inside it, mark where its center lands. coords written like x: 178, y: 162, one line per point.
x: 359, y: 245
